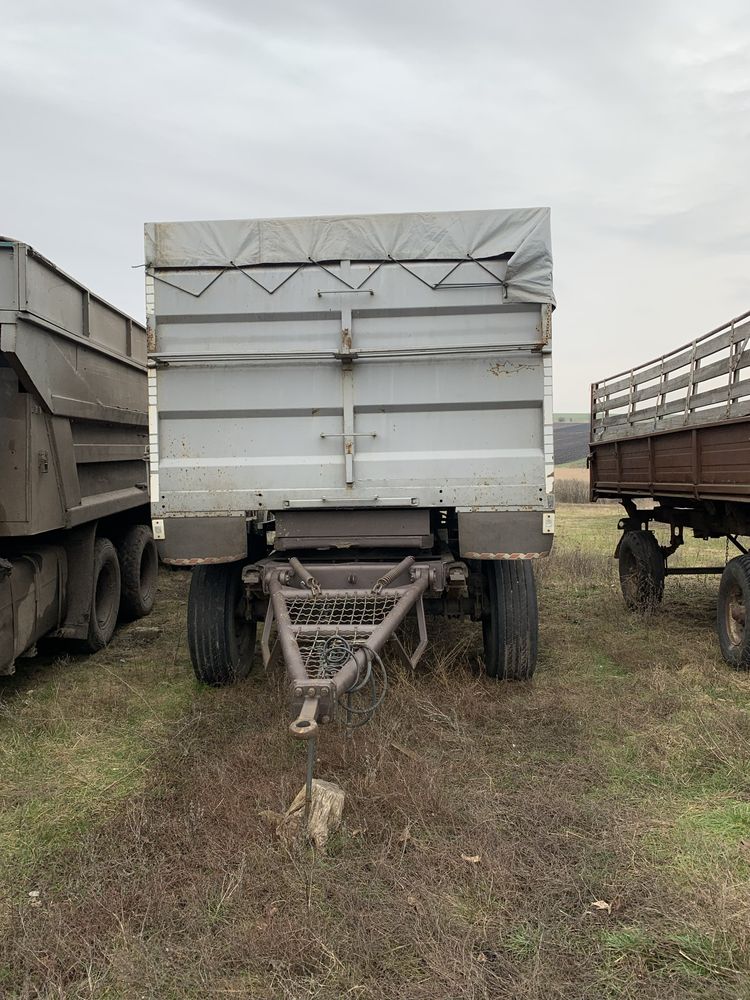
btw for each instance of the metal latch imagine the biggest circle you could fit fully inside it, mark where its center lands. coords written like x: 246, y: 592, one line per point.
x: 356, y: 434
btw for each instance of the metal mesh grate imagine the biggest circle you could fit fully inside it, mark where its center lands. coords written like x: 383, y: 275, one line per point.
x: 313, y: 647
x: 368, y: 610
x: 350, y: 616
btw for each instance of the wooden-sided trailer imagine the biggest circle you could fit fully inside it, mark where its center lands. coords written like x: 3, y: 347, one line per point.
x: 675, y: 432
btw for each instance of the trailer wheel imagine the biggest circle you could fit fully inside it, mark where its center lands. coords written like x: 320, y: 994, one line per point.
x: 731, y: 613
x: 510, y: 622
x: 105, y: 596
x: 642, y: 570
x: 139, y: 572
x: 220, y: 638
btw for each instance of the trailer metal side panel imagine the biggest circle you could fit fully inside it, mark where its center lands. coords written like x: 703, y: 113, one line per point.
x: 73, y: 400
x: 339, y: 383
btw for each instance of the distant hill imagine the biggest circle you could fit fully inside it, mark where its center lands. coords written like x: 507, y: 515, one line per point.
x: 571, y: 442
x: 572, y: 418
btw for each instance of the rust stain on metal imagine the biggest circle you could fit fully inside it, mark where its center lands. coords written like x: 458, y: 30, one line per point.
x: 505, y: 555
x: 509, y: 368
x: 547, y: 331
x: 205, y: 562
x: 150, y: 336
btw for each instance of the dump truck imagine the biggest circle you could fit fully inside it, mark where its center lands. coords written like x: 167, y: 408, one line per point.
x: 351, y: 429
x: 670, y: 440
x: 76, y: 547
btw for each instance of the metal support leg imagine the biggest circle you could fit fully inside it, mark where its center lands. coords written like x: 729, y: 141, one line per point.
x: 311, y: 747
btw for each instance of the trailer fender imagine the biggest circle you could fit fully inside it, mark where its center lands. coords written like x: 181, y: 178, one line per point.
x: 197, y: 541
x: 506, y: 534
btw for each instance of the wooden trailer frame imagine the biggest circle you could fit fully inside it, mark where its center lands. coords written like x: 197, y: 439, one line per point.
x: 675, y: 432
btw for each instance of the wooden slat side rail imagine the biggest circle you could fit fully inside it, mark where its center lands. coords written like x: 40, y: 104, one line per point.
x: 698, y: 350
x: 712, y: 397
x: 675, y: 385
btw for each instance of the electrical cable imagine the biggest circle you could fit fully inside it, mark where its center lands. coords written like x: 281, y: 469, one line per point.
x: 334, y: 653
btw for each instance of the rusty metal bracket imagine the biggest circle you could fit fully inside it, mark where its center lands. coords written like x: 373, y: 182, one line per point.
x: 305, y: 726
x: 308, y: 580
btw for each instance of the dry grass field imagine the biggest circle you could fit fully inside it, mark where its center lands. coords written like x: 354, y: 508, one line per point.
x: 604, y: 812
x: 571, y: 484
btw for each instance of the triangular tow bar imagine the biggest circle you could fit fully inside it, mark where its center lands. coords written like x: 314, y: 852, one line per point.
x: 331, y: 637
x: 331, y: 627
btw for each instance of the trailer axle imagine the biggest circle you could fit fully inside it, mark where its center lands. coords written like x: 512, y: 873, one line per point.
x: 694, y: 570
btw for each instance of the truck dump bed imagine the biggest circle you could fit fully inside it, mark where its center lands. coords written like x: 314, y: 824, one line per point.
x: 678, y: 426
x: 377, y: 361
x: 73, y: 400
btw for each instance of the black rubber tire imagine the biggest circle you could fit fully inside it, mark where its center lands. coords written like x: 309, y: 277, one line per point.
x: 105, y: 596
x: 139, y: 572
x: 642, y: 570
x: 731, y: 610
x: 510, y: 623
x: 221, y: 640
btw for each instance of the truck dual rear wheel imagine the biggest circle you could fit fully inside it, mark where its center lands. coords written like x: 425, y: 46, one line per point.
x: 731, y: 613
x: 105, y: 596
x: 510, y: 623
x: 139, y: 570
x: 642, y: 570
x: 220, y: 637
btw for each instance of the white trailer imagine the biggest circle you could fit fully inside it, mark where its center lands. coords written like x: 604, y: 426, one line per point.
x: 353, y: 390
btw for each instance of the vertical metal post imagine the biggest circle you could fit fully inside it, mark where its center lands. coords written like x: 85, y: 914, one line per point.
x: 309, y: 777
x: 347, y: 384
x: 86, y: 314
x: 23, y: 290
x: 347, y: 390
x: 692, y: 375
x: 347, y: 380
x: 631, y: 397
x: 661, y: 398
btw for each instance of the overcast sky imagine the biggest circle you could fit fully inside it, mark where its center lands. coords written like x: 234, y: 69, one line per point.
x: 631, y: 120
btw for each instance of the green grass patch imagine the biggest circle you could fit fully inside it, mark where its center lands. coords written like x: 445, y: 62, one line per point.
x: 730, y: 823
x: 523, y: 941
x: 60, y: 776
x: 78, y: 736
x: 686, y: 954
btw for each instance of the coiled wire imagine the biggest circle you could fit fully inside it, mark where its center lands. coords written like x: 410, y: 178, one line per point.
x: 334, y: 653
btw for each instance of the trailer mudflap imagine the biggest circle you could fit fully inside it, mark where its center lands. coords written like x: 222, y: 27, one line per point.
x: 505, y: 534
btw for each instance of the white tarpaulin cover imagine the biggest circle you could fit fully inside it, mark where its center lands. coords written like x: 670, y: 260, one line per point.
x: 521, y: 235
